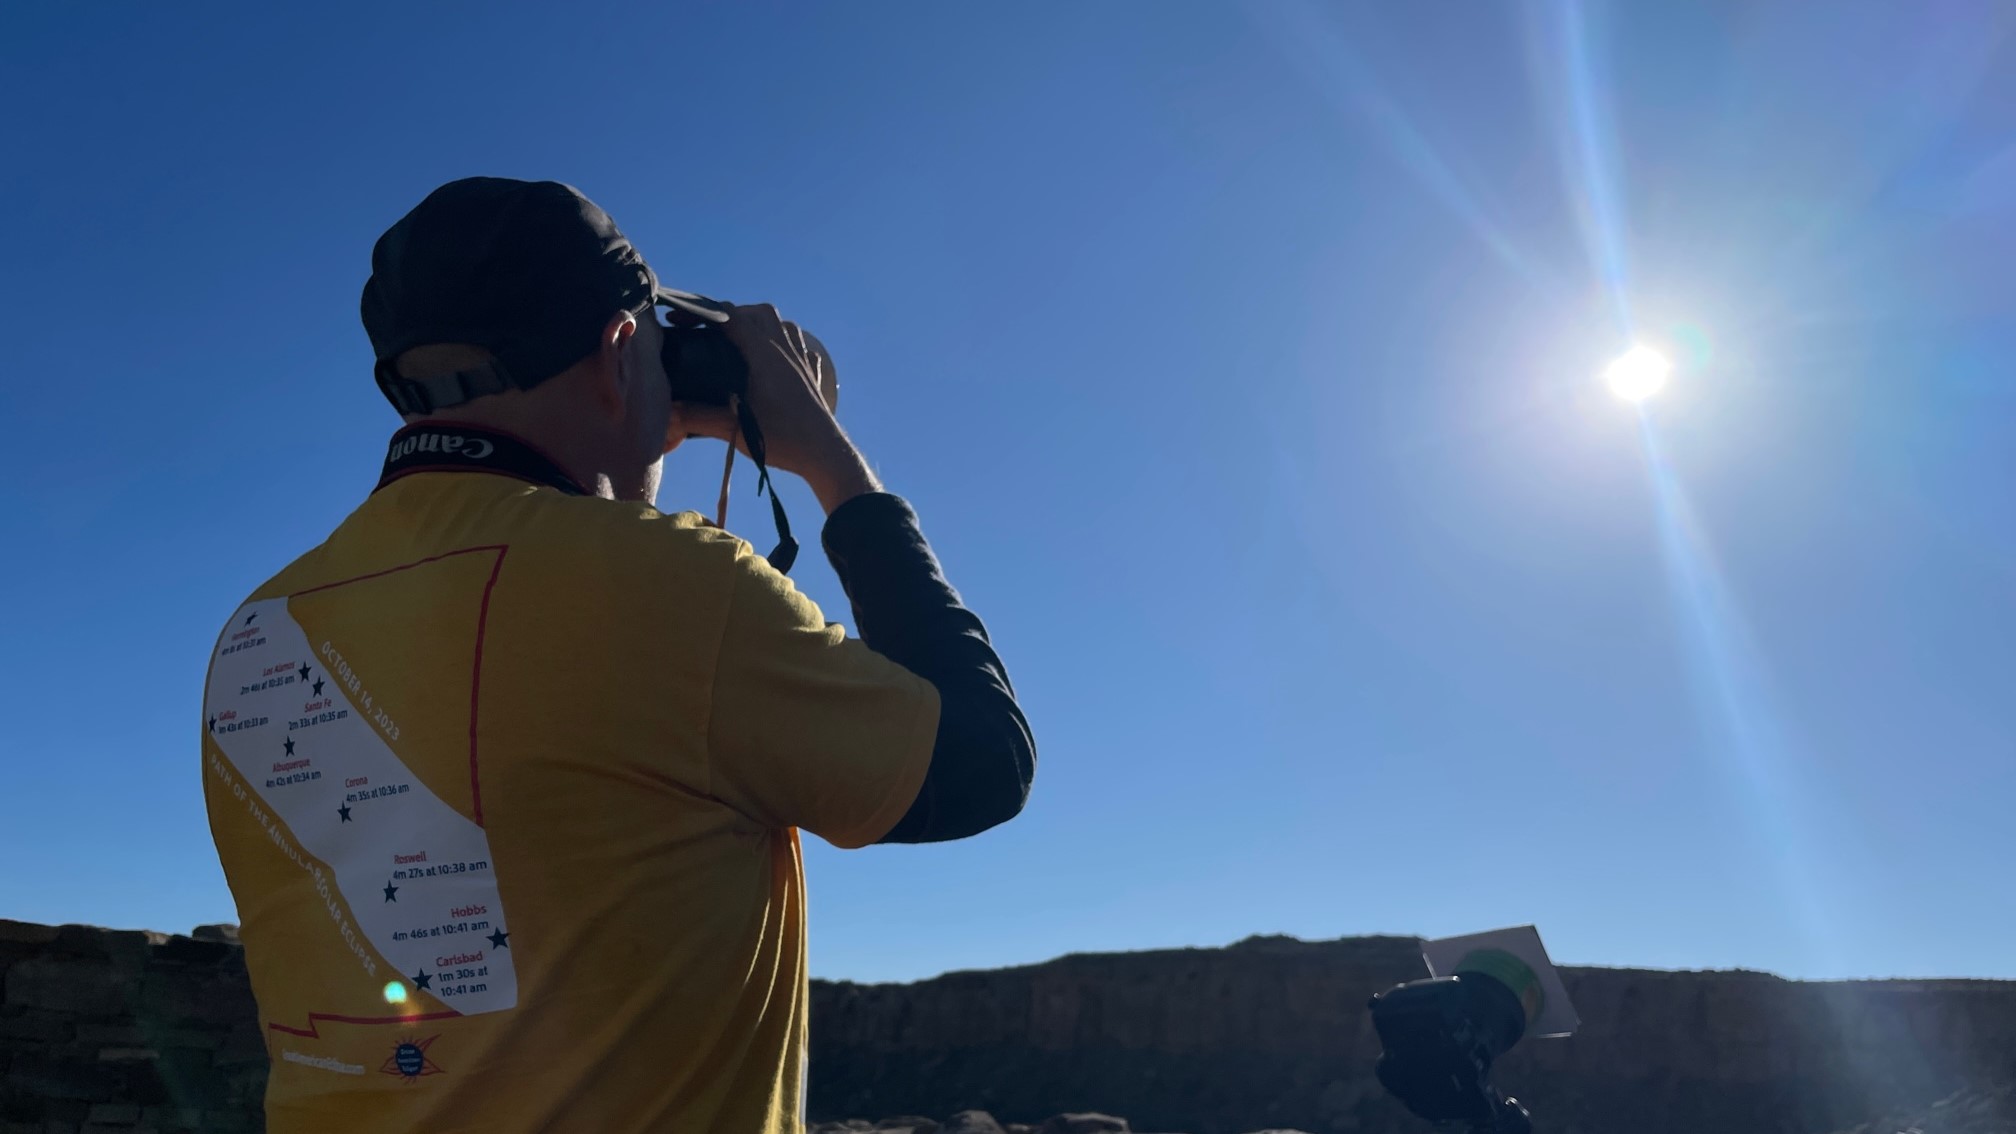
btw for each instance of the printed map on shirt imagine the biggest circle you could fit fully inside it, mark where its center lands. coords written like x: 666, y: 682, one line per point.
x: 296, y: 724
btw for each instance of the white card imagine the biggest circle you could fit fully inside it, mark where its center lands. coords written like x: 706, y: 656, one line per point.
x: 1557, y: 1016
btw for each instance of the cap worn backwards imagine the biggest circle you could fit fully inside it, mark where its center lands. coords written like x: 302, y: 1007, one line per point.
x: 529, y: 270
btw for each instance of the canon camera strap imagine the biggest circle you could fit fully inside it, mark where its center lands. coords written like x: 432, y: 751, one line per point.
x: 443, y: 447
x: 752, y: 436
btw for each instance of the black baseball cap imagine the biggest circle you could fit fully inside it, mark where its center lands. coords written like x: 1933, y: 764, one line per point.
x: 530, y: 270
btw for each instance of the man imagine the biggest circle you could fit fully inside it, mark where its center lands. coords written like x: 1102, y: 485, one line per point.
x: 507, y: 775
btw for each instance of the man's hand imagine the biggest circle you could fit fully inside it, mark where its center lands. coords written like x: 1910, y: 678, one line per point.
x: 792, y: 392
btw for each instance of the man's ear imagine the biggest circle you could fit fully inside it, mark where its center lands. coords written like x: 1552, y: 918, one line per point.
x: 614, y: 380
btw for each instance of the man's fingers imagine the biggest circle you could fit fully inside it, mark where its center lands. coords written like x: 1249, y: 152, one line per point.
x: 759, y: 330
x: 696, y: 420
x: 796, y: 335
x: 818, y: 370
x: 762, y: 321
x: 829, y: 376
x: 808, y: 359
x: 757, y: 318
x: 795, y: 360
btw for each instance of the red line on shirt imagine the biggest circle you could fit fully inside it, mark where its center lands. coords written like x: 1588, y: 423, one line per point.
x: 476, y: 671
x: 499, y: 548
x: 312, y: 1033
x: 476, y: 684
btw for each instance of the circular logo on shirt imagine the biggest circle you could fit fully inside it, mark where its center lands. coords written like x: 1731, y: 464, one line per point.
x: 410, y: 1061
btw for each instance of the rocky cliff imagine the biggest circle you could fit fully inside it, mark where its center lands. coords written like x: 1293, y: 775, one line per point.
x: 104, y: 1031
x: 1274, y: 1032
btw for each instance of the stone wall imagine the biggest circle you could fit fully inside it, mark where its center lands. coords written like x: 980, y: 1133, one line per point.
x: 105, y: 1031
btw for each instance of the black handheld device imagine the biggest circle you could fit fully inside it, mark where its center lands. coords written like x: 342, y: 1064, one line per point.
x: 1440, y: 1038
x: 702, y: 365
x: 705, y: 368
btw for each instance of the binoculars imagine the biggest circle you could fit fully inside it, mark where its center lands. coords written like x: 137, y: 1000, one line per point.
x: 707, y: 369
x: 703, y: 367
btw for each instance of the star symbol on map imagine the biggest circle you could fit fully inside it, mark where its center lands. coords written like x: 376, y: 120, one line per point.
x: 213, y: 724
x: 250, y: 617
x: 500, y: 940
x: 423, y: 980
x: 344, y: 811
x: 288, y: 744
x: 304, y: 671
x: 318, y: 687
x: 390, y: 890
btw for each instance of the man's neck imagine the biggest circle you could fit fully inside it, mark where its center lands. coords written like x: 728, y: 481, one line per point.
x: 581, y: 461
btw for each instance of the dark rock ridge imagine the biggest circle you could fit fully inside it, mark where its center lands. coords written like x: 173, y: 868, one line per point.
x: 1274, y: 1032
x: 104, y: 1031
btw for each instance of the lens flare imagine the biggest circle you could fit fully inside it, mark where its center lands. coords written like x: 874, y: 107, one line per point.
x: 395, y: 992
x: 1638, y: 373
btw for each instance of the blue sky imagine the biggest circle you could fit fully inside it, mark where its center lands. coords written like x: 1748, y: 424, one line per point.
x: 1242, y: 363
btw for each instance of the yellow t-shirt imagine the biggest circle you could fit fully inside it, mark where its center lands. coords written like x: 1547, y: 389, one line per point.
x: 507, y: 784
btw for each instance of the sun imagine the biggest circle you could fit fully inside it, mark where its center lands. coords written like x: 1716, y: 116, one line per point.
x: 1638, y: 373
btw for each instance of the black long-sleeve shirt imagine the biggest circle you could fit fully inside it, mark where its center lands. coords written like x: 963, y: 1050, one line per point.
x: 984, y: 757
